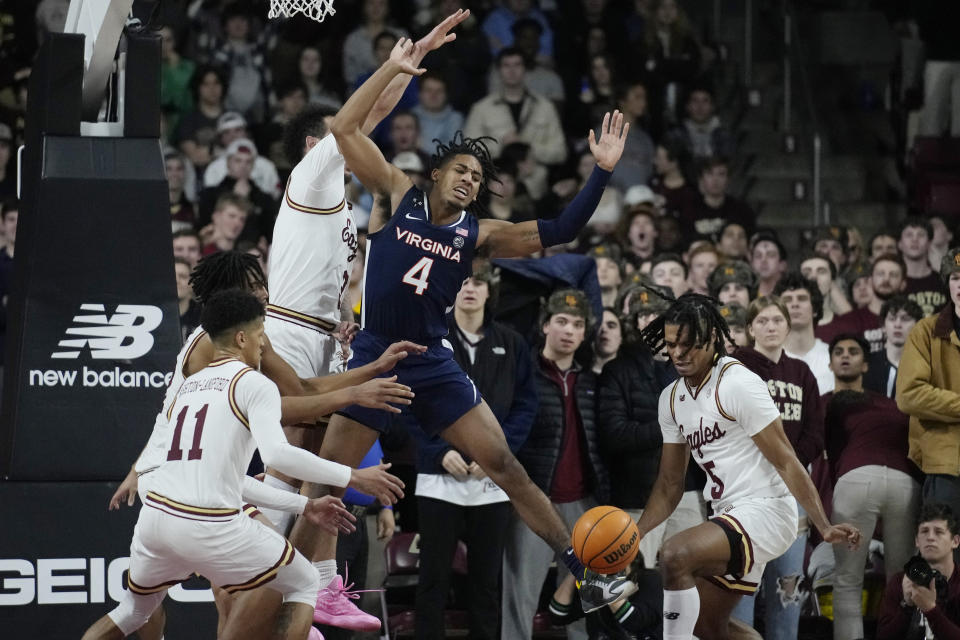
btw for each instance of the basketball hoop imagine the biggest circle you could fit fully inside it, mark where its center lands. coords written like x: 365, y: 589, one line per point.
x: 313, y: 9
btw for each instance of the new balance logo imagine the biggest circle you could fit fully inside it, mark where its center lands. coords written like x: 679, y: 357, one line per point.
x: 671, y: 615
x: 125, y: 335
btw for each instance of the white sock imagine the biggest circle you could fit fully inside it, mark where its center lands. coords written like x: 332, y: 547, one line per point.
x: 680, y: 612
x: 282, y: 520
x: 327, y: 570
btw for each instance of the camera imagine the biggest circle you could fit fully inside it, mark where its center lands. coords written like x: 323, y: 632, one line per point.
x: 921, y: 573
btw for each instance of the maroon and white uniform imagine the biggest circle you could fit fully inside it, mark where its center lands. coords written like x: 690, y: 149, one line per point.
x: 718, y: 420
x: 314, y: 245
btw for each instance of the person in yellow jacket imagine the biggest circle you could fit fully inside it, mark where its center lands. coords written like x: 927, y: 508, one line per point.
x: 928, y: 390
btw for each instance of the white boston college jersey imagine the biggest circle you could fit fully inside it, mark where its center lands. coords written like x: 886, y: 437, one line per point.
x: 718, y: 420
x: 210, y: 445
x: 314, y: 241
x: 155, y: 453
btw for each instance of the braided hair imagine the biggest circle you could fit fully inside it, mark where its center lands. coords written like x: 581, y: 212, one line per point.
x: 699, y: 314
x: 226, y: 270
x: 476, y: 147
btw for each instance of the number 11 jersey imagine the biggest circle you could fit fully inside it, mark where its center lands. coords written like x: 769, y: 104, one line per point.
x: 209, y: 446
x: 718, y: 420
x: 414, y: 271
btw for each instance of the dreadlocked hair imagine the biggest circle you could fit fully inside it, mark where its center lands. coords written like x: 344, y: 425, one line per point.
x: 476, y: 147
x: 226, y: 270
x: 699, y: 314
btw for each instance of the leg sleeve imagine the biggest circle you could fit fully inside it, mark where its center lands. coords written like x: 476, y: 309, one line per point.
x: 135, y: 609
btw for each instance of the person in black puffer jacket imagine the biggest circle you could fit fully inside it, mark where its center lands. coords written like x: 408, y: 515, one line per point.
x: 561, y: 455
x: 629, y: 431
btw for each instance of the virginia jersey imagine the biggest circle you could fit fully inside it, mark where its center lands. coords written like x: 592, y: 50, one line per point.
x: 154, y: 453
x: 414, y: 271
x: 718, y: 420
x: 314, y: 240
x: 209, y: 446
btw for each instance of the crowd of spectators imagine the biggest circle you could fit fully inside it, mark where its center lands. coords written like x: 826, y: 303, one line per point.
x: 857, y: 337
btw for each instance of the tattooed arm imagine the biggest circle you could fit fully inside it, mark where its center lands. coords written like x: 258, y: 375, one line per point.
x: 500, y: 239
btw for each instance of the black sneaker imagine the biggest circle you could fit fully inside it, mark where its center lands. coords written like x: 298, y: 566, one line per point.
x: 597, y: 589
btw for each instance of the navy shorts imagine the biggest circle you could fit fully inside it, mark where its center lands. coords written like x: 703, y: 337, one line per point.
x: 443, y: 392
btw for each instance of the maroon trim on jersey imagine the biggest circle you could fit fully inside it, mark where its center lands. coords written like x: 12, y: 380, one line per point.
x: 190, y: 350
x: 749, y: 559
x: 263, y: 578
x: 312, y: 210
x: 695, y: 392
x: 223, y: 361
x: 716, y: 391
x: 163, y: 503
x: 732, y: 584
x: 251, y: 511
x: 231, y: 394
x: 144, y: 591
x: 301, y: 319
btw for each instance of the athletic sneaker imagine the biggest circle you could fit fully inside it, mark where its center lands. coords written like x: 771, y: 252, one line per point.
x: 598, y: 590
x: 314, y: 634
x: 334, y: 608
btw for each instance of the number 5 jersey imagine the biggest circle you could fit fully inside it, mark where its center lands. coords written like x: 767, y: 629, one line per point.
x: 718, y: 420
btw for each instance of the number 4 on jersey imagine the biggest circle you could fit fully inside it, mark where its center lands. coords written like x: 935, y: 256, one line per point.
x: 418, y: 275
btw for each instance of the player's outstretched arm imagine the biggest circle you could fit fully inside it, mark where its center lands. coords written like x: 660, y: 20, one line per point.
x: 668, y: 487
x: 437, y: 37
x: 360, y: 153
x: 506, y: 240
x: 385, y: 363
x: 775, y: 447
x: 378, y: 393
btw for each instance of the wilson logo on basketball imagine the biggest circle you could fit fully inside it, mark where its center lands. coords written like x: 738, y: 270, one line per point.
x: 622, y: 550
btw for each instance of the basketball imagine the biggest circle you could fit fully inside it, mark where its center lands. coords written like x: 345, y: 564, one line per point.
x: 605, y: 539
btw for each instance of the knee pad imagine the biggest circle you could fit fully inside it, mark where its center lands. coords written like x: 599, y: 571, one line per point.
x: 297, y: 581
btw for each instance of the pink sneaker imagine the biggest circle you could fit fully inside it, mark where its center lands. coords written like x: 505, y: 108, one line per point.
x: 314, y: 634
x: 334, y: 608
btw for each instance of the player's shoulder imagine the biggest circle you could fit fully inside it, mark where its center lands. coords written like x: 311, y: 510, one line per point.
x: 668, y: 399
x: 731, y: 373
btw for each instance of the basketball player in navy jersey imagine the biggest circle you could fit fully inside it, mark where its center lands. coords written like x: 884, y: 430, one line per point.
x: 416, y: 263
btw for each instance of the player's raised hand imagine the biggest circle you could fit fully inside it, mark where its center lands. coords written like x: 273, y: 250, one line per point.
x: 440, y: 34
x: 395, y: 353
x: 127, y: 491
x: 405, y: 57
x: 608, y: 148
x: 382, y: 393
x: 330, y: 515
x: 843, y: 534
x: 375, y: 481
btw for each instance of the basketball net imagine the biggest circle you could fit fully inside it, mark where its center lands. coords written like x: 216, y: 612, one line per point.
x: 313, y: 9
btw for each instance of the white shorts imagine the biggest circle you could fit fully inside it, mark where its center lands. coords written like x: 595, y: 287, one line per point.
x: 767, y: 528
x: 310, y: 352
x: 232, y: 551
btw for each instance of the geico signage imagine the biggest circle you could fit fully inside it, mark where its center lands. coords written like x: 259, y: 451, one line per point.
x: 124, y: 335
x: 73, y: 581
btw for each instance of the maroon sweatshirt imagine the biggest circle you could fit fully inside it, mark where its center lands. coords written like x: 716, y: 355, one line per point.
x: 893, y: 622
x: 794, y: 390
x: 864, y: 428
x: 861, y: 321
